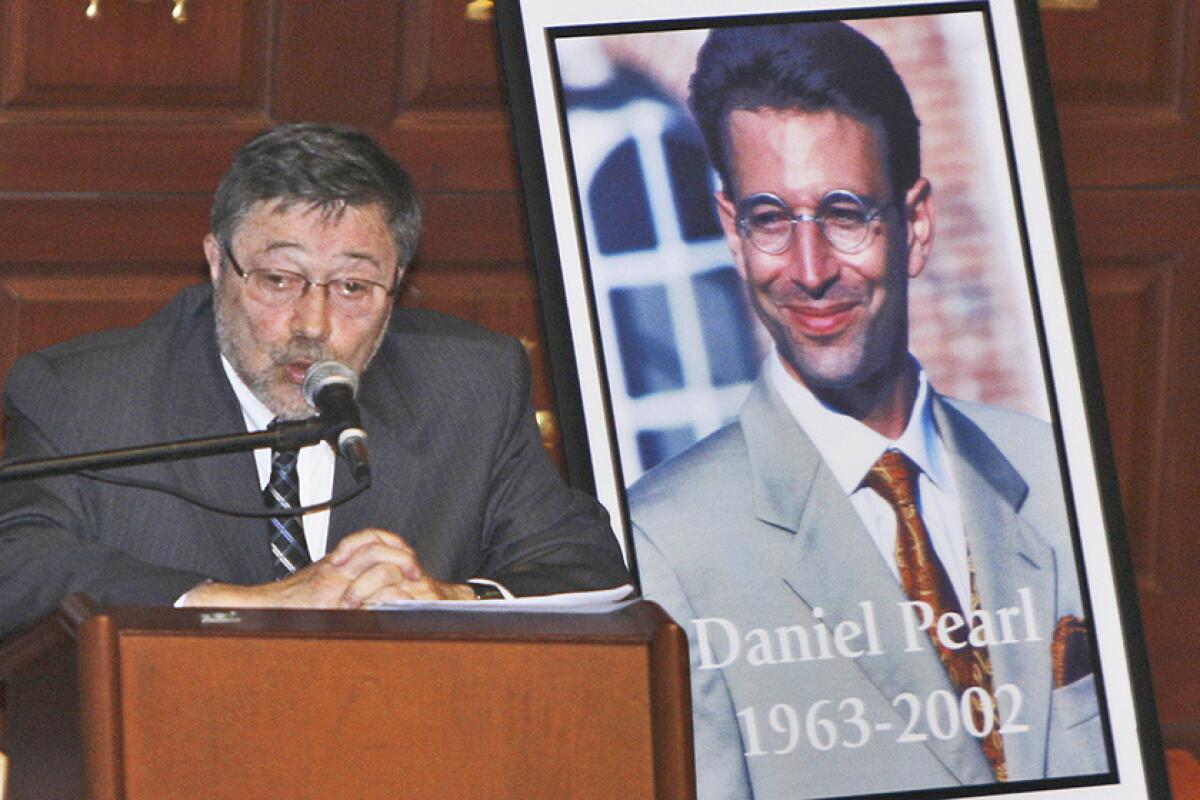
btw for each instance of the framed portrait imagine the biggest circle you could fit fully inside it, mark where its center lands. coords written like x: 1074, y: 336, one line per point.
x: 820, y: 345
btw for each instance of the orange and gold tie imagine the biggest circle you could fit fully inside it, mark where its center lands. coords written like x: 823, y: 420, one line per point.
x: 925, y: 579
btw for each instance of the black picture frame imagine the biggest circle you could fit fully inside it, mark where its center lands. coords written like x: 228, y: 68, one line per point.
x: 588, y: 372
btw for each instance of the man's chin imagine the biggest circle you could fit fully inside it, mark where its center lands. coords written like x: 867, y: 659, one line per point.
x: 826, y: 371
x: 288, y: 403
x: 293, y: 412
x: 850, y: 379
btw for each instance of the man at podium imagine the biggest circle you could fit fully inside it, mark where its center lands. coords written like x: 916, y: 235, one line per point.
x: 312, y: 229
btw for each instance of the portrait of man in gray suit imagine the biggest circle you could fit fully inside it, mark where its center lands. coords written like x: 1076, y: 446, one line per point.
x: 878, y: 581
x: 312, y: 230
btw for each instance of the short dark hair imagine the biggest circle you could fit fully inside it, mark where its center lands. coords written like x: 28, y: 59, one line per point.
x: 807, y: 66
x: 329, y: 167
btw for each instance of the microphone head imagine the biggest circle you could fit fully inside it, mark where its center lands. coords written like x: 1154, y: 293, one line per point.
x: 327, y: 373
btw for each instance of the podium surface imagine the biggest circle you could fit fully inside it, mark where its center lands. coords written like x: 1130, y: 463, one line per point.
x: 190, y: 703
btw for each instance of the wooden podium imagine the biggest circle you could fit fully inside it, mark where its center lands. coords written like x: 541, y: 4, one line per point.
x: 162, y: 703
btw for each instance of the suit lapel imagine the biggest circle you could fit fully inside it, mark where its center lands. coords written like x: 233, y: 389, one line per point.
x: 834, y: 565
x: 1008, y: 556
x: 389, y: 420
x: 200, y: 403
x: 364, y: 510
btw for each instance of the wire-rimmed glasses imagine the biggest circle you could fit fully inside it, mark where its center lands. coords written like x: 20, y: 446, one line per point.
x: 350, y: 295
x: 846, y: 220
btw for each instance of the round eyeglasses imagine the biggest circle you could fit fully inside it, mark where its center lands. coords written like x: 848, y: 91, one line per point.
x: 847, y: 221
x: 280, y: 287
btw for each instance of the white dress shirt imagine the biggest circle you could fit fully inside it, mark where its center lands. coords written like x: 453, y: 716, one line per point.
x: 314, y: 466
x: 849, y: 448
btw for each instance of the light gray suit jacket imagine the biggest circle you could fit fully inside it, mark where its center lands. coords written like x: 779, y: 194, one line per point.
x: 457, y: 463
x: 748, y: 533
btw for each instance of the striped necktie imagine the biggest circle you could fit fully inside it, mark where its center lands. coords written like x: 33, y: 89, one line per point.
x: 288, y: 549
x: 893, y: 477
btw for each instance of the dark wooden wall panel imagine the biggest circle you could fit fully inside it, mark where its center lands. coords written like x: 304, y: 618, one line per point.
x: 40, y: 309
x: 102, y: 232
x: 1126, y: 78
x: 132, y: 56
x: 1141, y: 254
x: 335, y: 62
x: 449, y: 124
x: 448, y: 62
x: 131, y: 101
x: 1129, y: 302
x: 62, y: 157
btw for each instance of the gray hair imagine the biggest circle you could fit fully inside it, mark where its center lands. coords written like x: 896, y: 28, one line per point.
x: 328, y: 167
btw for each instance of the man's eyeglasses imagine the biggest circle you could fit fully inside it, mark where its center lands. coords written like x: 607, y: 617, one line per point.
x: 280, y: 287
x: 847, y: 221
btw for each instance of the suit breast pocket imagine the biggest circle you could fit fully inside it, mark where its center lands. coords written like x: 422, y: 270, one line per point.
x: 1076, y: 745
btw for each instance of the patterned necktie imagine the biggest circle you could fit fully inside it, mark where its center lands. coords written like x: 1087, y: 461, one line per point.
x: 287, y: 533
x: 893, y: 477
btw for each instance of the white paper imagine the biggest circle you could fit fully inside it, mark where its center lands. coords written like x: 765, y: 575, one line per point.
x: 595, y: 602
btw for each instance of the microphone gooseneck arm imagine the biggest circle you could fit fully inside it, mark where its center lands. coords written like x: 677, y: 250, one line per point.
x: 283, y: 436
x: 328, y: 386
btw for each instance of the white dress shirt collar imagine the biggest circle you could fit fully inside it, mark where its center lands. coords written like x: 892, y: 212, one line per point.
x: 256, y: 415
x: 849, y: 447
x: 315, y: 464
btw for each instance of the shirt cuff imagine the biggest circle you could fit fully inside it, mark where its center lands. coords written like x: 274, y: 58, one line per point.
x: 183, y: 597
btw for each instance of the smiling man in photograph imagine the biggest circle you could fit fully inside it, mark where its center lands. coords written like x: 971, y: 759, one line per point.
x: 312, y: 229
x: 878, y: 581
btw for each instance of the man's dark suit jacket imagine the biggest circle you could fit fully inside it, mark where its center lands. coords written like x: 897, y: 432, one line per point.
x: 458, y: 468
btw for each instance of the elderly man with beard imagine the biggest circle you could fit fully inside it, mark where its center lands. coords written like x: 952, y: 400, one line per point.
x: 312, y: 229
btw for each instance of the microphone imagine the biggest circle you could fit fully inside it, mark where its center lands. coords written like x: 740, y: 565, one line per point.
x: 329, y: 387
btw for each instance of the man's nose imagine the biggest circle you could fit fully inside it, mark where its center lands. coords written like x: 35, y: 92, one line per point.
x: 814, y: 265
x: 310, y: 313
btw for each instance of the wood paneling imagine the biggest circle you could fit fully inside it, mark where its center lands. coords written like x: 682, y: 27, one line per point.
x: 1126, y: 78
x: 1173, y: 657
x: 1141, y: 255
x: 335, y: 62
x: 449, y: 124
x: 1126, y: 81
x: 1129, y: 302
x: 101, y: 232
x: 132, y: 58
x: 39, y: 309
x: 443, y: 79
x: 498, y: 296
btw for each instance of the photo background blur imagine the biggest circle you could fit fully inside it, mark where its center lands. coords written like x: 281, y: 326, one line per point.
x: 680, y: 345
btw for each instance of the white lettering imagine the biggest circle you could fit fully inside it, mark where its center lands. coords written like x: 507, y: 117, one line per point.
x: 946, y: 625
x: 758, y: 651
x: 1031, y: 635
x: 843, y: 633
x: 983, y: 629
x: 785, y: 636
x: 908, y: 612
x: 873, y: 647
x: 1005, y: 615
x: 822, y: 633
x: 708, y: 660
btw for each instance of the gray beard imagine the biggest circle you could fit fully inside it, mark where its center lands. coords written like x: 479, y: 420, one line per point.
x: 260, y: 383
